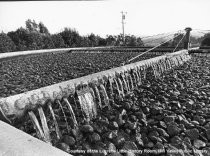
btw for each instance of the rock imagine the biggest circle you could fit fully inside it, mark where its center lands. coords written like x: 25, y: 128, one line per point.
x: 153, y: 133
x: 187, y: 124
x: 134, y: 108
x: 129, y: 145
x: 140, y: 115
x: 87, y: 129
x: 207, y: 151
x: 182, y: 127
x: 111, y: 117
x: 187, y: 142
x: 128, y: 131
x: 146, y: 110
x: 169, y: 119
x: 152, y: 122
x: 195, y: 123
x: 104, y: 121
x: 199, y: 144
x: 111, y: 147
x: 164, y: 140
x: 120, y: 120
x: 110, y: 135
x: 144, y: 138
x: 208, y: 134
x: 98, y: 128
x: 189, y: 104
x: 162, y: 132
x: 173, y: 129
x: 150, y: 144
x: 202, y: 136
x: 155, y: 139
x: 197, y: 118
x: 119, y: 141
x: 86, y: 146
x: 192, y: 133
x: 207, y: 125
x: 159, y: 147
x: 202, y: 121
x: 139, y: 141
x: 162, y: 124
x: 95, y: 137
x: 133, y: 118
x: 156, y: 110
x: 176, y: 104
x: 63, y: 146
x: 127, y: 106
x: 159, y: 117
x: 143, y: 122
x: 176, y: 140
x: 130, y: 125
x: 114, y: 125
x: 69, y: 140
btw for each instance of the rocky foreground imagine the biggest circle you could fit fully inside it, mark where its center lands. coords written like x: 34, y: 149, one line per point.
x: 166, y: 116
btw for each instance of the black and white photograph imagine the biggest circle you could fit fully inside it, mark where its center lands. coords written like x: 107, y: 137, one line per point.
x: 105, y: 78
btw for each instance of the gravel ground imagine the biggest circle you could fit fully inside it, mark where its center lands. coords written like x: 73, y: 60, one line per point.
x: 24, y: 73
x: 167, y: 116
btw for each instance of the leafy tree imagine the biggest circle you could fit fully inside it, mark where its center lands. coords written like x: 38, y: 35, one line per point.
x: 43, y: 29
x: 118, y: 40
x: 206, y: 42
x: 58, y: 41
x: 85, y: 42
x: 93, y: 40
x: 101, y: 41
x: 26, y: 40
x: 131, y: 40
x: 47, y: 42
x: 32, y: 26
x: 139, y: 41
x: 19, y: 37
x: 34, y: 41
x: 110, y: 40
x: 6, y: 43
x: 71, y: 37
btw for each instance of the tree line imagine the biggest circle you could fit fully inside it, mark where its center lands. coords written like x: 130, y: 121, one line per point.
x: 37, y: 36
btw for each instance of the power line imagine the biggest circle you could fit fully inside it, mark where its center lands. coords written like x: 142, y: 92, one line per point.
x: 157, y: 39
x: 149, y: 50
x: 172, y: 32
x: 178, y: 32
x: 179, y: 42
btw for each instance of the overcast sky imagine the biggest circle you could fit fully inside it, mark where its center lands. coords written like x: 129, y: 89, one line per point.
x: 144, y: 17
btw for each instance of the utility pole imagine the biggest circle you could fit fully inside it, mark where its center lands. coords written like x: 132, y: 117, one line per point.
x: 123, y: 31
x: 187, y: 38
